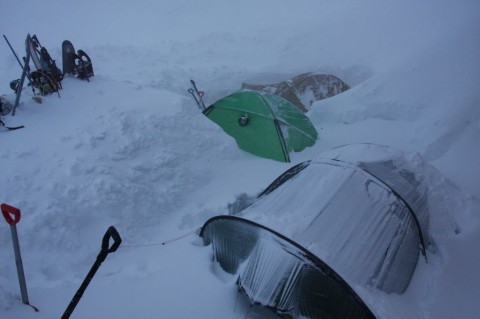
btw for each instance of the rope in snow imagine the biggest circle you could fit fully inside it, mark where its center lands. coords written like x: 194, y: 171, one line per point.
x: 195, y: 231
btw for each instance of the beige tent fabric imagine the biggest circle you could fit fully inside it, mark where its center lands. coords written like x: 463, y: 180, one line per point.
x: 304, y: 89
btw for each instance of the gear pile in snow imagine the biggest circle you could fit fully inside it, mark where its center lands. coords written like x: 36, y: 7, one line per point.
x: 45, y: 77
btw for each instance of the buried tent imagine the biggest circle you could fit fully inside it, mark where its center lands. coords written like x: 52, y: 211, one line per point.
x: 304, y: 89
x: 357, y: 218
x: 263, y: 124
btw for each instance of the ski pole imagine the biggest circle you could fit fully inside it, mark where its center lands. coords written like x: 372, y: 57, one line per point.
x: 16, y: 56
x: 110, y: 234
x: 22, y: 79
x: 12, y: 216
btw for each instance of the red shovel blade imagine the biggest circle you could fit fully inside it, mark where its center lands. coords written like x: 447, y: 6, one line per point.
x: 11, y: 214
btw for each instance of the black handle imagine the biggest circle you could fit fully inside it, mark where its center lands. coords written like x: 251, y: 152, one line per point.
x: 113, y: 234
x: 110, y: 233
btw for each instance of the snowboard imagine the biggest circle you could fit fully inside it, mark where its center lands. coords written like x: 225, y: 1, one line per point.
x: 68, y: 56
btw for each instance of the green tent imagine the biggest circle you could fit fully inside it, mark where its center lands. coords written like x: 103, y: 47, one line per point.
x: 263, y: 124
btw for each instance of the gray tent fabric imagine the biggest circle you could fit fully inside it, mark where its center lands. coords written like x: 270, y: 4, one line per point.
x: 304, y: 89
x: 277, y: 273
x: 402, y: 172
x: 359, y: 211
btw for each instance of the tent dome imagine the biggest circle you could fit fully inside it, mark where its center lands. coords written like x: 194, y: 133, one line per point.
x: 263, y: 124
x: 356, y: 217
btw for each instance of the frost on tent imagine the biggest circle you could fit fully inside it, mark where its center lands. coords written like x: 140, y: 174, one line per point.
x: 277, y: 273
x: 323, y: 229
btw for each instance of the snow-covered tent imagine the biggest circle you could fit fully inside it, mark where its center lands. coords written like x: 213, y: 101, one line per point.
x: 326, y: 229
x: 304, y: 89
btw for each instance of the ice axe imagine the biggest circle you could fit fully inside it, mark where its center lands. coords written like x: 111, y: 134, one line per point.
x: 110, y: 234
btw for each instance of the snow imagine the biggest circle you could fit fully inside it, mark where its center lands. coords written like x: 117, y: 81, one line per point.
x: 132, y: 150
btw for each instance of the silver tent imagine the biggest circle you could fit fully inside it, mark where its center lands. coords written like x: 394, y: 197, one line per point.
x: 357, y: 217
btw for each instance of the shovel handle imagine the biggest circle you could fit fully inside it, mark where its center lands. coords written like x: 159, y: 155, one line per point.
x: 111, y: 233
x: 11, y: 214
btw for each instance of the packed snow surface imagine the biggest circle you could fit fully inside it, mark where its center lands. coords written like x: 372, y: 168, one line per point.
x: 131, y: 149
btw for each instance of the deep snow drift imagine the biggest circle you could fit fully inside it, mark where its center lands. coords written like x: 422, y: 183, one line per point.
x: 131, y: 149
